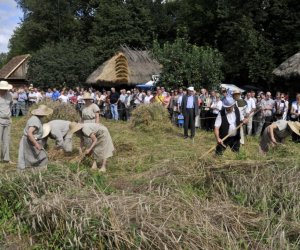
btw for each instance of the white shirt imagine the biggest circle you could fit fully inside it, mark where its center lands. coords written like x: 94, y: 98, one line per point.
x: 147, y: 99
x: 216, y: 106
x: 296, y: 107
x: 32, y: 97
x: 250, y: 105
x: 179, y: 99
x: 63, y: 99
x: 231, y: 120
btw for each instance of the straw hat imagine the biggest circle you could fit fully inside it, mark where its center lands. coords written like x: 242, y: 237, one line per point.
x: 42, y: 110
x: 5, y: 86
x: 46, y: 130
x: 87, y: 96
x: 74, y: 127
x: 228, y: 102
x: 191, y: 89
x: 295, y: 127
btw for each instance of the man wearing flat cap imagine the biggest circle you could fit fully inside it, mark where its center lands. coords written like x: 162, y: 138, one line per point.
x: 189, y: 109
x: 5, y: 120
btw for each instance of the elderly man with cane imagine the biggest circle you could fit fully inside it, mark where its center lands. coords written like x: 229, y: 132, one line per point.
x: 5, y: 120
x: 227, y: 126
x: 189, y: 109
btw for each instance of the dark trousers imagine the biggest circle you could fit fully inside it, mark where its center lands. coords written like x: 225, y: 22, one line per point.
x: 122, y: 112
x: 233, y: 142
x: 189, y: 122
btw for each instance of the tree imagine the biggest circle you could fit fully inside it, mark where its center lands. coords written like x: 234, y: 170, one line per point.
x: 62, y: 63
x: 186, y: 64
x: 3, y: 59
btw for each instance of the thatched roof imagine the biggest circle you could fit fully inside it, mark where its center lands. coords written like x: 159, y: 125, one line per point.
x: 8, y: 70
x: 289, y: 68
x: 127, y: 66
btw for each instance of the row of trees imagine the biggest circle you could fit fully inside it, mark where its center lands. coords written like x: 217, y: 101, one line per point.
x: 239, y: 41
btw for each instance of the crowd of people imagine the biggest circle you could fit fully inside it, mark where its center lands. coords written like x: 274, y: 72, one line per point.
x: 119, y: 105
x: 224, y: 112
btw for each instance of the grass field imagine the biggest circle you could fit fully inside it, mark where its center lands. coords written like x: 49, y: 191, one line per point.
x: 157, y: 194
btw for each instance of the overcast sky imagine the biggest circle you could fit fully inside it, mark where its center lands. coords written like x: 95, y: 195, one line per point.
x: 9, y: 19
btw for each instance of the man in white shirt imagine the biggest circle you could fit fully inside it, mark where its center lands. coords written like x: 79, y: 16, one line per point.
x: 227, y: 123
x: 63, y: 98
x: 32, y: 97
x: 251, y: 106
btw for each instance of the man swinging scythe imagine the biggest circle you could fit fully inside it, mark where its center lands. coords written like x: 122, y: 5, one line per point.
x: 227, y: 126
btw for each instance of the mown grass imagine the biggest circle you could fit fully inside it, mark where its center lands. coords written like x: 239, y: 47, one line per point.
x: 157, y: 194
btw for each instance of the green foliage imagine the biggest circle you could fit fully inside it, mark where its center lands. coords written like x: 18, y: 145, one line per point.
x: 187, y: 64
x: 253, y: 36
x: 3, y: 59
x: 62, y: 63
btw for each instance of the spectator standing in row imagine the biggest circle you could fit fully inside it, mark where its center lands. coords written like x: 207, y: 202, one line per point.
x: 122, y: 113
x: 267, y: 106
x: 215, y: 108
x: 63, y: 98
x: 55, y: 94
x: 114, y: 100
x: 49, y: 94
x: 159, y: 98
x: 281, y: 107
x: 295, y: 116
x: 148, y: 98
x: 189, y: 107
x: 15, y: 96
x: 251, y: 106
x: 21, y: 105
x: 32, y: 97
x: 258, y: 117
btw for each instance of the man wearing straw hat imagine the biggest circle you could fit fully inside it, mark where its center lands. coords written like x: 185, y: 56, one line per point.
x: 189, y: 109
x: 58, y: 130
x: 5, y: 120
x: 276, y: 133
x: 227, y: 123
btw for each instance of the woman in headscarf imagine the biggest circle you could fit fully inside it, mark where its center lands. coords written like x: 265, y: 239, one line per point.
x: 101, y: 147
x: 31, y: 151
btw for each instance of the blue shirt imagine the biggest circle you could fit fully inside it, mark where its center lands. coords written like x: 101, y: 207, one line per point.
x: 22, y: 97
x: 49, y: 95
x: 190, y: 102
x: 55, y: 95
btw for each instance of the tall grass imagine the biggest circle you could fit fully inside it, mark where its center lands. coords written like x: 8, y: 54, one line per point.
x: 157, y: 194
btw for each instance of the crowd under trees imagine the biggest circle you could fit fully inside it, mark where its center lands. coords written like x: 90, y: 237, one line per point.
x: 199, y: 42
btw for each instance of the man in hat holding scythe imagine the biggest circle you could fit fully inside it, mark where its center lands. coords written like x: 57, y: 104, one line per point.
x: 227, y: 125
x: 5, y: 120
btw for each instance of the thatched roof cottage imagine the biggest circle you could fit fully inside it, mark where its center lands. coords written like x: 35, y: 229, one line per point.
x: 289, y: 72
x: 15, y: 71
x: 289, y: 68
x: 126, y: 67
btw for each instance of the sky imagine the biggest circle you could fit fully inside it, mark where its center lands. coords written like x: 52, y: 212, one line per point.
x: 10, y: 18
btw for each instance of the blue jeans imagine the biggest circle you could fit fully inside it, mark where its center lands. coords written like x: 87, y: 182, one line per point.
x: 114, y: 111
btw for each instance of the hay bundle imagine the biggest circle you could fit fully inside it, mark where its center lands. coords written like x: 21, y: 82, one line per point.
x: 61, y: 111
x: 151, y: 117
x: 121, y: 68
